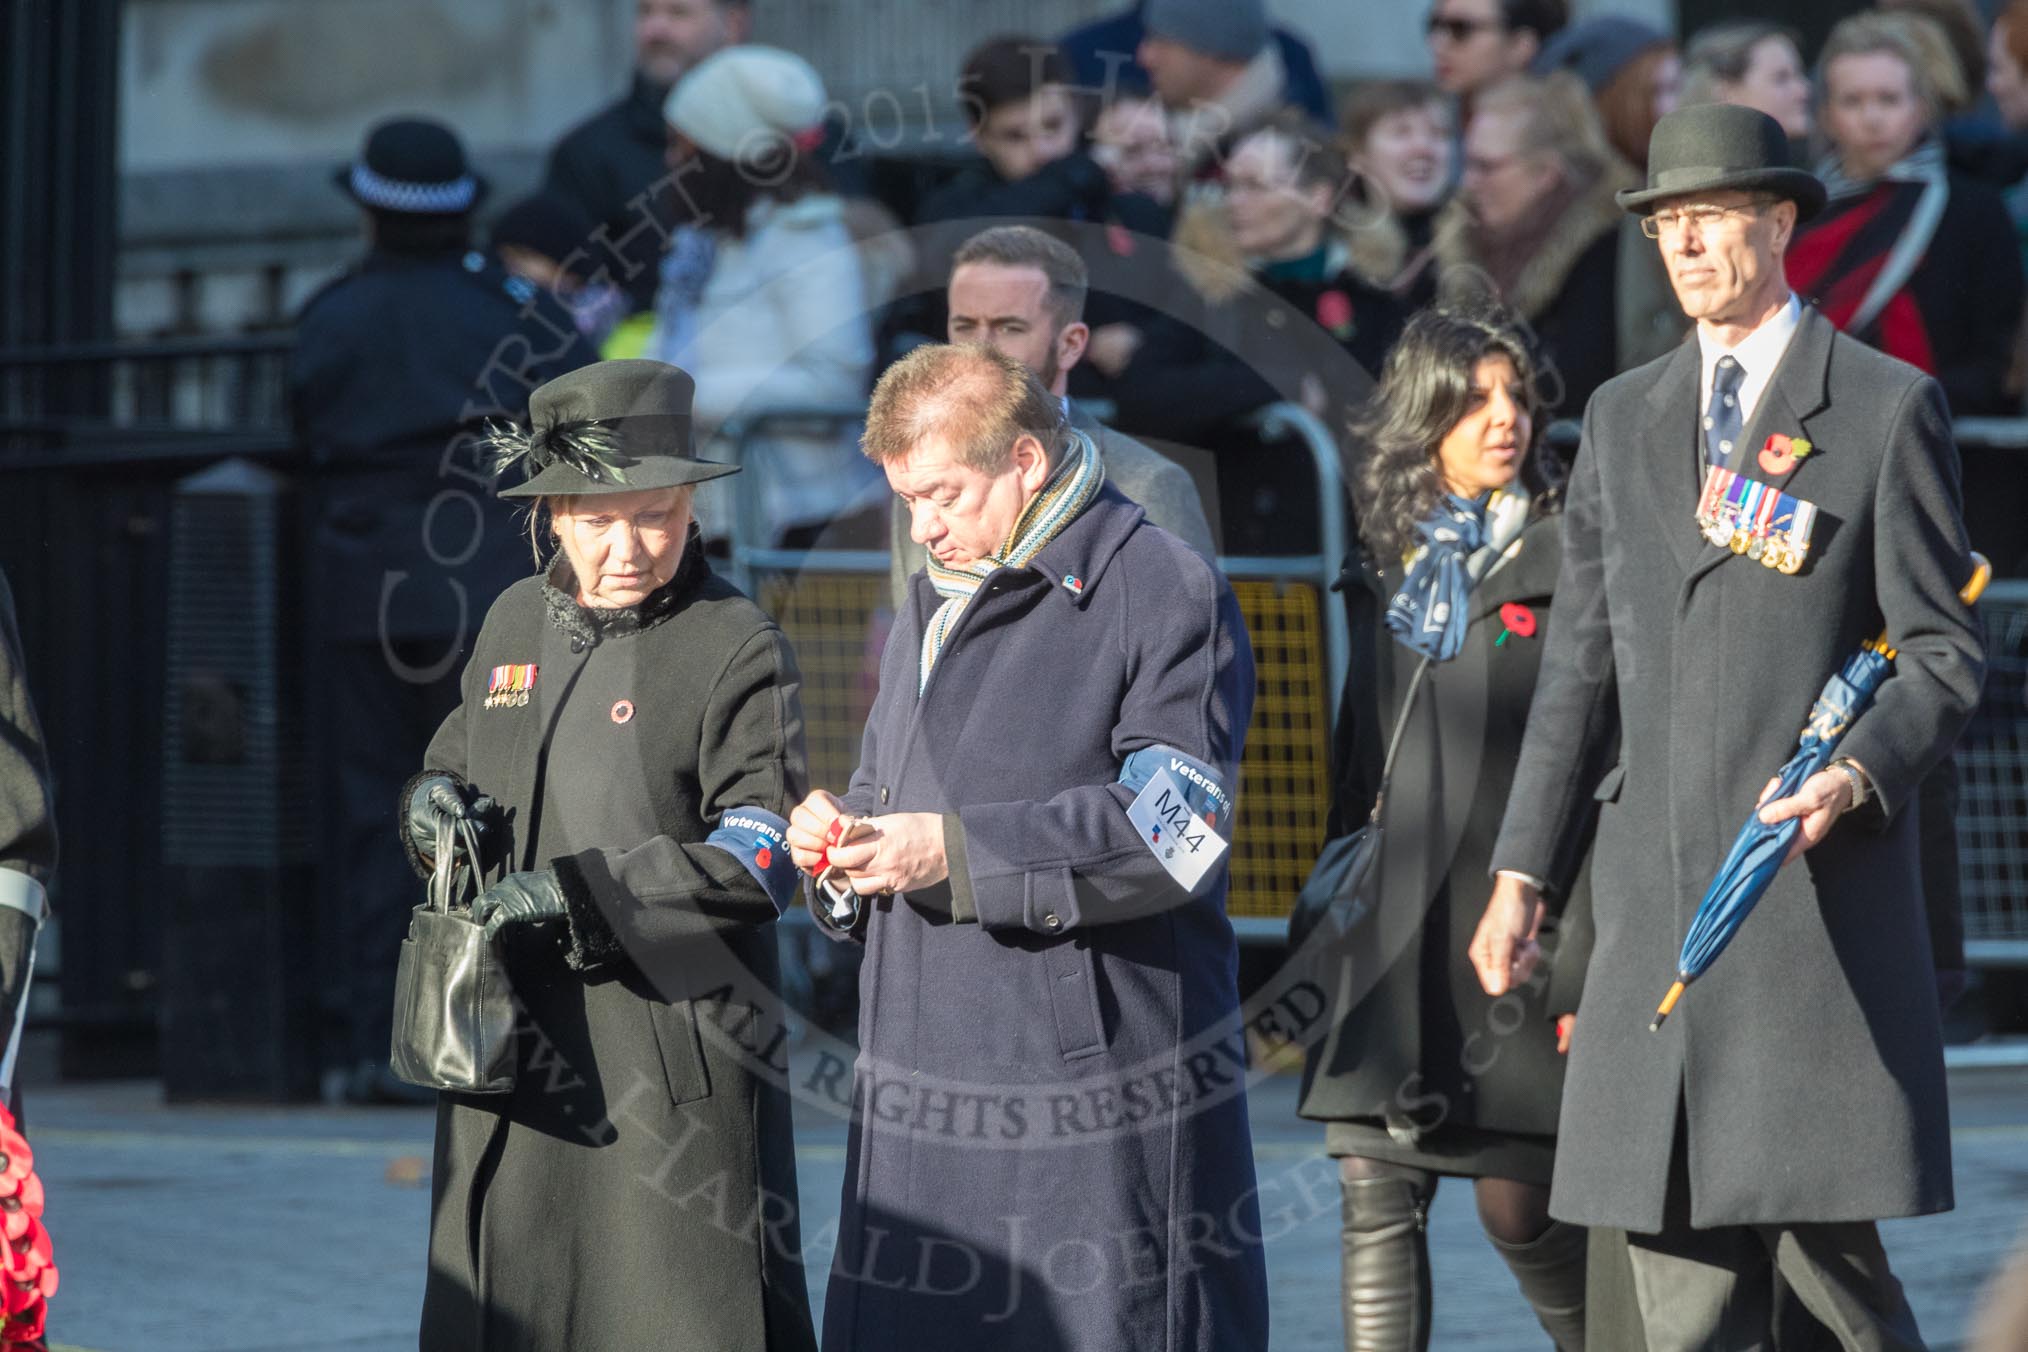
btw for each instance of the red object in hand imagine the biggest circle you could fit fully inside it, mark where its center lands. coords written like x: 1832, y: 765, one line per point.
x: 1519, y: 619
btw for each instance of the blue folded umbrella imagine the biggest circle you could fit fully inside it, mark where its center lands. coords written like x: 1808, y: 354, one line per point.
x: 1759, y: 849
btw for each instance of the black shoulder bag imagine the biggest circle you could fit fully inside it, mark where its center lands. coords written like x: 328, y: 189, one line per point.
x: 1340, y: 889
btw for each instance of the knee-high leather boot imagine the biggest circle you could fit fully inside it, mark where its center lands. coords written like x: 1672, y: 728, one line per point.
x: 1550, y: 1271
x: 1385, y: 1285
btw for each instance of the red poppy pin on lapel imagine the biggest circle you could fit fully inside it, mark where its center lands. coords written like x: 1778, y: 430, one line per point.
x: 1334, y: 313
x: 1519, y: 619
x: 1780, y: 453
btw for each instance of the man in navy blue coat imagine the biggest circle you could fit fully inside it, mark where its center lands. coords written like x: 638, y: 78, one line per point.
x: 1050, y: 1147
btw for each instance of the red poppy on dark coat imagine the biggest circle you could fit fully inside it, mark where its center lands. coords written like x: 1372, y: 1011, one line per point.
x: 1778, y: 456
x: 1518, y: 618
x: 1334, y: 312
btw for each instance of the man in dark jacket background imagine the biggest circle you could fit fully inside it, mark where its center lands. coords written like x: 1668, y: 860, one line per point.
x: 608, y: 162
x: 396, y: 364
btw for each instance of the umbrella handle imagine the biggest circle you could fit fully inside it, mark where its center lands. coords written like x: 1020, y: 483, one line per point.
x: 1982, y: 573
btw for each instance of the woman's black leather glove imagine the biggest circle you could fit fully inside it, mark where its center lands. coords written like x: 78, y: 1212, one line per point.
x: 438, y: 797
x: 519, y: 899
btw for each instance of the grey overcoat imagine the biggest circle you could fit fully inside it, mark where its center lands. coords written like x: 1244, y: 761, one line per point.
x: 1809, y: 1060
x: 1052, y: 1147
x: 637, y: 1187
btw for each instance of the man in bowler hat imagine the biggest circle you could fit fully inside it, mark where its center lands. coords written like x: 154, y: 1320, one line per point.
x: 397, y: 362
x: 1797, y: 1095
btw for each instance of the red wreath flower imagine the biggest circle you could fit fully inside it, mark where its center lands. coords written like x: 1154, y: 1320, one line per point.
x: 19, y: 1206
x: 1519, y: 619
x: 28, y: 1276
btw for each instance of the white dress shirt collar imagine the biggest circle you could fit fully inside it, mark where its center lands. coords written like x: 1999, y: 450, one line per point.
x: 1759, y: 353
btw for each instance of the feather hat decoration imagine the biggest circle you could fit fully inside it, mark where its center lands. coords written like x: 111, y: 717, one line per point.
x: 611, y: 427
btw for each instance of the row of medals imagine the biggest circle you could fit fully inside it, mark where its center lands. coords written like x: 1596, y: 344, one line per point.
x: 1773, y: 549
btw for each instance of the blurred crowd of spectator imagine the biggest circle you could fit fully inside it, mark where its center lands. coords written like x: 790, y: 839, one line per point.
x: 1251, y: 238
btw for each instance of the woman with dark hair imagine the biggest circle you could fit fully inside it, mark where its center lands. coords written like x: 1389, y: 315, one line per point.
x: 1422, y: 1075
x: 766, y: 298
x: 1753, y: 63
x: 1400, y: 139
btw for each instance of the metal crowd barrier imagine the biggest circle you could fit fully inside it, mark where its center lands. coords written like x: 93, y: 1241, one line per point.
x: 1993, y: 788
x: 833, y: 605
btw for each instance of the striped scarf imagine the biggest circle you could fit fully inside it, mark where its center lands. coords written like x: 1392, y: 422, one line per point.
x: 1068, y: 492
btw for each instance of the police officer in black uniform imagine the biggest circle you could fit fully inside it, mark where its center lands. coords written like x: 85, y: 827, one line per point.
x: 398, y: 363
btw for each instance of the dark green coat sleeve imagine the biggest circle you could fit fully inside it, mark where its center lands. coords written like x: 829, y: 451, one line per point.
x: 667, y: 891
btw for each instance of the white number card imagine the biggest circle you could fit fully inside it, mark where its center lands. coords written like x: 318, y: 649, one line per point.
x: 1181, y: 840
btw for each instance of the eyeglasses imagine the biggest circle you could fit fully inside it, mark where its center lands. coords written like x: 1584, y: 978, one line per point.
x: 1458, y: 30
x: 1704, y: 215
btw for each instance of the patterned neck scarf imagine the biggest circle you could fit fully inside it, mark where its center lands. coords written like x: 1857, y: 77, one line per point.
x: 1070, y: 489
x: 1428, y: 614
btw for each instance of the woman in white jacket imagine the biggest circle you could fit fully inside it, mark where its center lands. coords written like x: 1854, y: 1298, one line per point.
x: 763, y: 297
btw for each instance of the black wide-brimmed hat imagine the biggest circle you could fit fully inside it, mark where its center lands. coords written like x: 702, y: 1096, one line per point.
x: 412, y: 166
x: 611, y: 427
x: 1716, y: 147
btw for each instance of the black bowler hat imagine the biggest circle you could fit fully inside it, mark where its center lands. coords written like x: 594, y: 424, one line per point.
x: 1715, y: 147
x: 611, y: 427
x: 413, y: 166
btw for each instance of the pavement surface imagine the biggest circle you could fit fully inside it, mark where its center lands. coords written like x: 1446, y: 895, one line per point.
x: 243, y: 1229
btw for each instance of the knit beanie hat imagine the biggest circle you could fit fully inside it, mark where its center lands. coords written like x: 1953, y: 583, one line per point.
x: 743, y: 102
x: 1597, y: 49
x: 1233, y: 29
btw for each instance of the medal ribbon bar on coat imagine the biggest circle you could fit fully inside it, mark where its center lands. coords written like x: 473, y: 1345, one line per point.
x: 1755, y: 519
x: 509, y: 686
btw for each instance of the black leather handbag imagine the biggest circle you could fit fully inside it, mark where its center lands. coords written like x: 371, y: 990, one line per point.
x: 1339, y: 893
x: 453, y: 1007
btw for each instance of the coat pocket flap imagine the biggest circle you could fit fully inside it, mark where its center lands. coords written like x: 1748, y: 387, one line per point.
x: 1073, y: 999
x: 682, y: 1052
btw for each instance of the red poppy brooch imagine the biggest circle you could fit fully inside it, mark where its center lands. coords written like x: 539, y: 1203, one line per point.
x: 1334, y: 314
x: 1519, y: 619
x: 1779, y: 454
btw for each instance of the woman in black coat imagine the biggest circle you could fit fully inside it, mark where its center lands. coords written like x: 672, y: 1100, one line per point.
x: 629, y: 735
x: 1422, y: 1075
